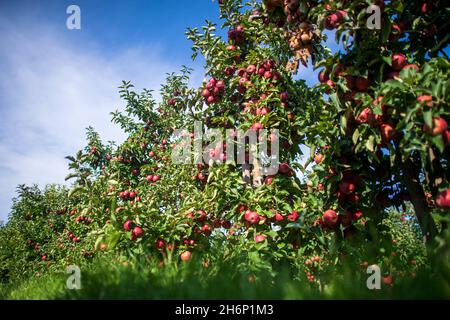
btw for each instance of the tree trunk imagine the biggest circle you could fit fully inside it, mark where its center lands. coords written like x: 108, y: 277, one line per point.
x: 246, y: 173
x: 257, y: 170
x: 418, y: 200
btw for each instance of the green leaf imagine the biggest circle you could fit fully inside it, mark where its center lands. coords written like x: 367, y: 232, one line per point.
x: 71, y: 176
x: 428, y: 118
x: 343, y: 124
x: 355, y: 136
x: 75, y: 190
x: 439, y: 142
x: 114, y: 239
x: 98, y: 242
x: 385, y: 32
x: 370, y: 143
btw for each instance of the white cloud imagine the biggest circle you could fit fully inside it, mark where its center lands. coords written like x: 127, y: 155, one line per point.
x: 50, y: 91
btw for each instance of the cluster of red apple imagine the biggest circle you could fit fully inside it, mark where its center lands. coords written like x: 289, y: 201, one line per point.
x: 331, y: 220
x: 171, y: 102
x: 361, y: 84
x: 122, y: 159
x: 237, y: 35
x: 128, y: 195
x: 291, y: 217
x: 202, y: 226
x: 188, y: 242
x: 213, y: 91
x: 335, y: 19
x: 252, y: 218
x: 399, y: 62
x: 73, y: 237
x: 35, y: 246
x: 347, y: 186
x: 136, y: 232
x: 312, y: 263
x: 200, y: 217
x: 266, y: 70
x: 84, y: 219
x: 200, y: 176
x: 153, y: 178
x: 285, y: 169
x: 355, y: 84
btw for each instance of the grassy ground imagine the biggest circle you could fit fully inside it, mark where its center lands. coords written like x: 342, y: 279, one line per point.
x: 103, y: 280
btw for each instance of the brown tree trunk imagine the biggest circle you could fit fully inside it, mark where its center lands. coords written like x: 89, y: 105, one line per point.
x: 246, y: 173
x: 257, y: 170
x: 418, y: 200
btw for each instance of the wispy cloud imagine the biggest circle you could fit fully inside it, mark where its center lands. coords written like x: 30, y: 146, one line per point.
x: 51, y: 90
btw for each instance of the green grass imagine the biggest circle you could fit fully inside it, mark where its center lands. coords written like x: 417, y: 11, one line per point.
x: 105, y: 280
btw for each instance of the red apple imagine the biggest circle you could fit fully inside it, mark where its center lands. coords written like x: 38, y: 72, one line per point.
x: 251, y: 69
x: 387, y: 132
x: 268, y: 180
x: 206, y: 228
x: 347, y: 187
x: 330, y: 218
x: 284, y: 96
x: 185, y: 256
x: 211, y: 99
x: 362, y: 84
x: 330, y: 83
x: 318, y: 158
x: 446, y: 137
x: 226, y: 224
x: 201, y: 215
x: 284, y: 168
x: 323, y: 76
x: 251, y: 217
x: 160, y: 244
x: 412, y: 66
x: 333, y: 20
x: 426, y: 99
x: 128, y: 225
x: 293, y: 216
x: 350, y: 82
x: 387, y: 280
x: 137, y: 232
x: 220, y: 85
x: 278, y: 217
x: 259, y: 238
x: 257, y: 126
x: 439, y: 126
x: 443, y: 199
x: 357, y: 215
x: 268, y: 75
x: 366, y: 116
x: 201, y: 176
x: 399, y: 61
x: 206, y: 93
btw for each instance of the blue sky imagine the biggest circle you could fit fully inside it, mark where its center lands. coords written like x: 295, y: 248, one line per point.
x: 55, y: 82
